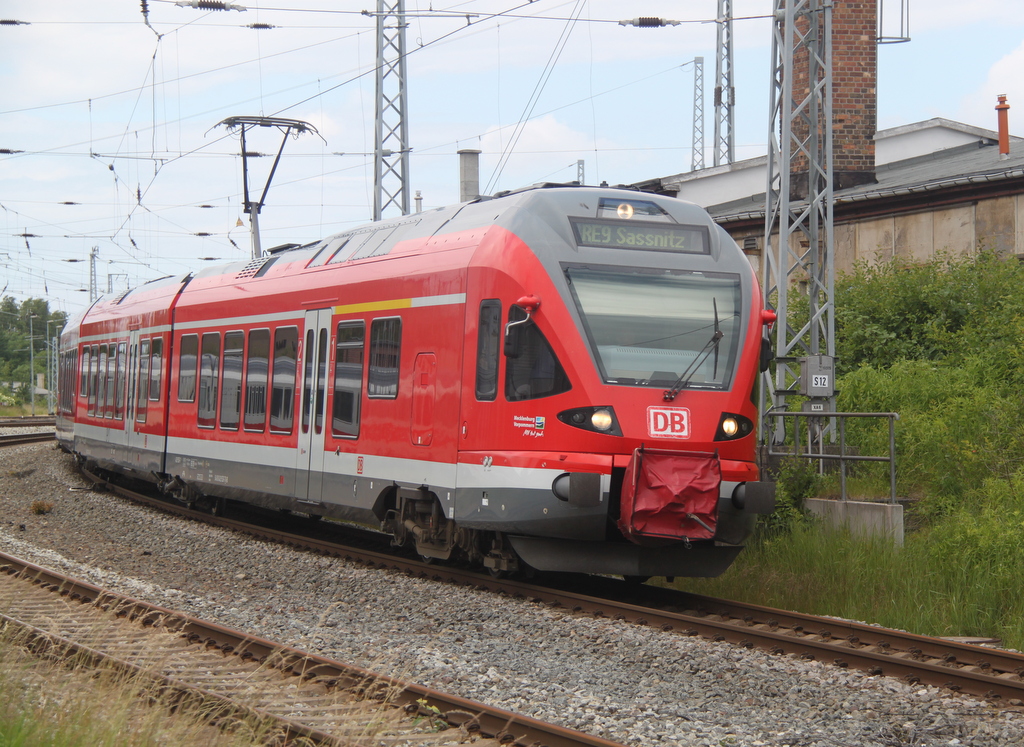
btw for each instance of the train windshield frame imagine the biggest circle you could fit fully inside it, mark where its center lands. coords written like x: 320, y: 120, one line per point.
x: 649, y: 327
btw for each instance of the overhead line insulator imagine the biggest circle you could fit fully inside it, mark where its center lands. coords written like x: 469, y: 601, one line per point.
x: 649, y: 22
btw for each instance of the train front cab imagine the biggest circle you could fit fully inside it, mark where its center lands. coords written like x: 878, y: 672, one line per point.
x: 569, y: 447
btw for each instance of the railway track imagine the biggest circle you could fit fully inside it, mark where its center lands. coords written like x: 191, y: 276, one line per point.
x: 14, y: 439
x: 28, y: 421
x: 959, y: 667
x: 300, y: 695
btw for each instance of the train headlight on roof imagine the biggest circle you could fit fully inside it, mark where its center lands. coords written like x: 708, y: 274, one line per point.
x: 624, y: 211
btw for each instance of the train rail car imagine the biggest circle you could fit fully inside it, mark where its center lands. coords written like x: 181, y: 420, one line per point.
x: 559, y: 378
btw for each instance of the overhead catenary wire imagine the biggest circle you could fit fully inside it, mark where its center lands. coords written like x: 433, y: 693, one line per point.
x: 138, y: 194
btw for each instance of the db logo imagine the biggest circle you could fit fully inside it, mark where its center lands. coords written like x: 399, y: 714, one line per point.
x: 668, y: 422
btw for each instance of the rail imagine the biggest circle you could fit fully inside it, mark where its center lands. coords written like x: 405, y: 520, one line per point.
x: 842, y: 457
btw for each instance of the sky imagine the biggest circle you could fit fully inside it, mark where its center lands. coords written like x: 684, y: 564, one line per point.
x: 110, y: 136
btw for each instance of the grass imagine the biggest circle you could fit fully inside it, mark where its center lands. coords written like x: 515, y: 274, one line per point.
x: 50, y: 703
x: 820, y: 570
x: 44, y: 703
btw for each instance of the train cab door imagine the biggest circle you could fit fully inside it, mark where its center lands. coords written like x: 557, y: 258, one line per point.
x: 316, y: 350
x: 424, y: 375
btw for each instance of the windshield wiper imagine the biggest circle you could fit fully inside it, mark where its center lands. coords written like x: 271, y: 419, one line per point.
x: 710, y: 346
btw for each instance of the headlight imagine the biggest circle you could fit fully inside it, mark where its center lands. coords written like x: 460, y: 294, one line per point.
x: 601, y: 420
x: 733, y: 426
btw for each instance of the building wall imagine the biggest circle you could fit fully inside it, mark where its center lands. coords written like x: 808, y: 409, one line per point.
x: 960, y: 230
x: 995, y: 224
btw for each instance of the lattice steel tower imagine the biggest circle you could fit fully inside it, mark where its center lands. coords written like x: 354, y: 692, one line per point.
x: 697, y: 160
x: 725, y: 92
x: 391, y: 141
x: 799, y: 247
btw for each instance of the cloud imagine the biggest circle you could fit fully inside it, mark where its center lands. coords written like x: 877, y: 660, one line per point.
x: 1004, y: 77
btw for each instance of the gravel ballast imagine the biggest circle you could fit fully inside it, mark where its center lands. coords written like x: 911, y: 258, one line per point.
x: 635, y: 685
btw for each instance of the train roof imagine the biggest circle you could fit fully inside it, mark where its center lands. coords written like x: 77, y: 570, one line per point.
x: 538, y: 215
x: 518, y: 211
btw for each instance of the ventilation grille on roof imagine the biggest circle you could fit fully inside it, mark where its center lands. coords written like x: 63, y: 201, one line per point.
x: 252, y: 269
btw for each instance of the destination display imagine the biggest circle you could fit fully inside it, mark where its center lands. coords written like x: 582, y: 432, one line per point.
x: 659, y: 237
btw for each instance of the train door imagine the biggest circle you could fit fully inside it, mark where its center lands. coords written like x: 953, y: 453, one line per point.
x: 316, y: 351
x: 424, y: 375
x: 133, y: 438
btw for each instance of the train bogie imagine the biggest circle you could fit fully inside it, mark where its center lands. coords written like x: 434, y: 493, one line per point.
x: 559, y: 378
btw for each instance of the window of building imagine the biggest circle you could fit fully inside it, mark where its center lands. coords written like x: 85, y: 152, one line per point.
x: 385, y: 345
x: 348, y: 379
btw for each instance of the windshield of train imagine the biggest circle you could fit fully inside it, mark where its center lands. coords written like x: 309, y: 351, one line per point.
x: 653, y: 327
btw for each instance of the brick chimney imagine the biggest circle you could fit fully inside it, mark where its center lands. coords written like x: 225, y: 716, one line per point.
x: 854, y: 93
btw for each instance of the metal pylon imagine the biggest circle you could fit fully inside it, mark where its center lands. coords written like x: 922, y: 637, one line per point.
x: 391, y: 141
x: 798, y: 251
x: 725, y: 92
x: 697, y: 161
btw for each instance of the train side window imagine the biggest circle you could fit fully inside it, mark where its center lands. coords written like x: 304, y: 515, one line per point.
x: 231, y: 386
x: 532, y: 371
x: 385, y: 346
x: 84, y: 375
x: 101, y: 383
x: 156, y: 367
x: 122, y: 349
x: 209, y: 363
x: 257, y: 366
x: 488, y: 349
x: 282, y: 397
x: 321, y: 381
x: 141, y: 389
x: 188, y: 357
x: 307, y: 385
x: 109, y: 403
x: 93, y: 378
x: 348, y: 379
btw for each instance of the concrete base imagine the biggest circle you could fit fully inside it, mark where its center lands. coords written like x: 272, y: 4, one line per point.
x: 880, y: 519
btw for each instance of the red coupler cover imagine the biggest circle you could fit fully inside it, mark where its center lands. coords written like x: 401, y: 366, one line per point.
x: 670, y: 494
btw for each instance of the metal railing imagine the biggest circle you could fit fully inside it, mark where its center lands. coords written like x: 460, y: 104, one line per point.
x: 842, y: 457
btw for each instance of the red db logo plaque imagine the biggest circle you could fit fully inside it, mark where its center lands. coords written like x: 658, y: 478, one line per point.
x: 668, y: 422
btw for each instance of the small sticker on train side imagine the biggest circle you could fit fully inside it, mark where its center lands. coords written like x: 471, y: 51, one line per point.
x: 668, y: 422
x: 532, y: 425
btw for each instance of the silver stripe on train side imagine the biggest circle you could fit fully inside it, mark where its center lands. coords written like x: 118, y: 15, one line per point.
x: 100, y: 434
x: 122, y: 334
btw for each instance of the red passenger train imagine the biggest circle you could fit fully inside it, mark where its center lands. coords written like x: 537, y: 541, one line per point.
x: 559, y: 378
